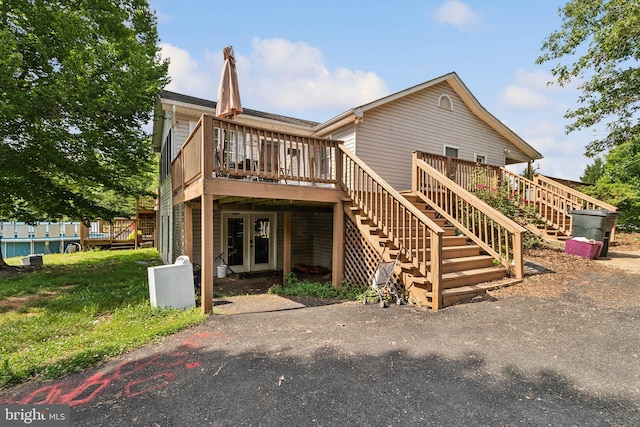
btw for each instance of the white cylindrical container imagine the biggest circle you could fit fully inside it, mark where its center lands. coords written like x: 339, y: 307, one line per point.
x: 222, y: 271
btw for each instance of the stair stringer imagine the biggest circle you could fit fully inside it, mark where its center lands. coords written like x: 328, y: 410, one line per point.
x: 459, y: 283
x: 412, y: 282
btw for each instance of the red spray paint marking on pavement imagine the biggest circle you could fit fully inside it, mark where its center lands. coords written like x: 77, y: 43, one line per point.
x: 138, y: 387
x: 73, y: 394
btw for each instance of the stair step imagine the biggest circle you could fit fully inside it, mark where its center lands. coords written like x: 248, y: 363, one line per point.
x: 122, y: 246
x: 471, y: 277
x: 448, y: 241
x: 450, y: 265
x: 463, y: 293
x: 449, y: 252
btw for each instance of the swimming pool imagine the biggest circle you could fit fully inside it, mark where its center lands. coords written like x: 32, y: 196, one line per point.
x: 20, y: 239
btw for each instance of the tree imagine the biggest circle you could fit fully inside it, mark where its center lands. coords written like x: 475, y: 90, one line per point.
x: 619, y: 183
x: 592, y: 173
x: 601, y: 39
x: 77, y: 83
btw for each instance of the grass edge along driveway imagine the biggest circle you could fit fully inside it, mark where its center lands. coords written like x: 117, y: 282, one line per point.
x: 77, y: 311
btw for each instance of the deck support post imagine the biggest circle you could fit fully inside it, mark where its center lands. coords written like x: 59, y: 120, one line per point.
x: 207, y: 271
x: 518, y: 256
x: 84, y: 234
x: 286, y: 249
x: 337, y: 267
x: 436, y: 270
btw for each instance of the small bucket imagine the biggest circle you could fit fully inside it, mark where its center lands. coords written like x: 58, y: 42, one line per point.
x: 222, y: 271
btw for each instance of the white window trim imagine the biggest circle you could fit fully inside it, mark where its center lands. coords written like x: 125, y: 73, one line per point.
x: 443, y: 106
x: 444, y: 149
x: 475, y: 158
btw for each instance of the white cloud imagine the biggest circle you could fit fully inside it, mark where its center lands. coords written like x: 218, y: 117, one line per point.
x: 538, y: 79
x: 524, y: 98
x: 458, y: 14
x: 189, y: 76
x: 563, y: 155
x: 278, y: 76
x: 293, y: 76
x: 531, y: 91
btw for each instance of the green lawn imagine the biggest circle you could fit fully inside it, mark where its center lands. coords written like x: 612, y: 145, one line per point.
x: 78, y: 310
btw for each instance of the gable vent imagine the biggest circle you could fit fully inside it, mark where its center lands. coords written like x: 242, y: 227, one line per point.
x: 445, y: 102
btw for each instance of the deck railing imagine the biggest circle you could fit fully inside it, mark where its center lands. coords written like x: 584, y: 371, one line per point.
x: 552, y: 201
x: 227, y: 149
x: 419, y: 238
x: 465, y: 173
x: 498, y: 235
x: 579, y: 198
x: 119, y: 230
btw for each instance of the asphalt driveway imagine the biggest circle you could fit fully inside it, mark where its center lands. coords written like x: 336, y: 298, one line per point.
x: 520, y: 360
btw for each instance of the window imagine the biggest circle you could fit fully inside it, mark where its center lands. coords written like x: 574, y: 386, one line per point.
x: 480, y: 158
x: 325, y: 161
x: 234, y: 145
x: 165, y: 156
x: 451, y: 151
x: 445, y: 102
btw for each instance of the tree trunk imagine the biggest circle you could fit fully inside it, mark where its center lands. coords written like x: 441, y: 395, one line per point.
x: 3, y: 265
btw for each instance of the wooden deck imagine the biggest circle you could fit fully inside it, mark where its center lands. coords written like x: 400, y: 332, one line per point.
x: 123, y: 233
x: 224, y: 162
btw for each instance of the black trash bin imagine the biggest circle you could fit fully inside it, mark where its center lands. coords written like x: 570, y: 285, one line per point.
x: 595, y: 224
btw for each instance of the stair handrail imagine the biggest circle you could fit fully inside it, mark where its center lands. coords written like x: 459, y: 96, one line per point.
x: 402, y: 222
x: 587, y: 201
x: 498, y: 235
x: 551, y: 206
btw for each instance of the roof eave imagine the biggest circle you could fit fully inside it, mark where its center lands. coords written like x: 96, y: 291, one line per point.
x: 339, y: 121
x: 465, y: 94
x: 158, y: 125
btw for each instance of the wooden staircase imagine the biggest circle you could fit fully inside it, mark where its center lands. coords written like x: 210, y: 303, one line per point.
x: 545, y: 225
x: 466, y: 270
x: 551, y: 201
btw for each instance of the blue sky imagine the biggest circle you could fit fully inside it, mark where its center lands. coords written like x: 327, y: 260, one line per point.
x: 316, y: 60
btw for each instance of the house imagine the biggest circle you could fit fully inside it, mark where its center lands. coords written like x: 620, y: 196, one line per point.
x: 440, y: 116
x: 264, y: 192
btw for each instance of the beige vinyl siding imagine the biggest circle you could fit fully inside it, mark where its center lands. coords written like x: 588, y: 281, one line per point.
x: 279, y: 240
x: 347, y: 136
x: 390, y: 133
x: 196, y: 215
x: 301, y: 238
x: 181, y: 132
x: 322, y: 238
x: 165, y: 221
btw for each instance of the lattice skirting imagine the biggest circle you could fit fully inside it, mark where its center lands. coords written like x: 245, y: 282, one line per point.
x: 360, y: 258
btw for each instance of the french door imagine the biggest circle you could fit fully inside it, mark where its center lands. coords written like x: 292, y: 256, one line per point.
x: 249, y: 241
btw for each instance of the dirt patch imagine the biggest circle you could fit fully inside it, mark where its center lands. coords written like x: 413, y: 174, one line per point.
x: 238, y: 285
x: 20, y: 302
x: 613, y: 278
x: 628, y: 261
x: 8, y: 272
x: 233, y: 285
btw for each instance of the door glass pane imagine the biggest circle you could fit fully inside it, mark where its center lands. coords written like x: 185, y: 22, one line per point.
x: 235, y: 241
x: 261, y: 238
